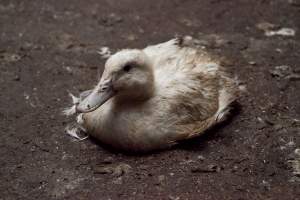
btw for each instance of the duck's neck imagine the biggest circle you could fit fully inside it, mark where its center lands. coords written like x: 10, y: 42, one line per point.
x: 139, y: 94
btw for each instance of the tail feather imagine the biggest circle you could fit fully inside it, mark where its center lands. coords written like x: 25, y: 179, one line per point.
x: 225, y: 100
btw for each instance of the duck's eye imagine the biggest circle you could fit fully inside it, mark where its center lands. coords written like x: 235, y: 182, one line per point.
x: 127, y: 68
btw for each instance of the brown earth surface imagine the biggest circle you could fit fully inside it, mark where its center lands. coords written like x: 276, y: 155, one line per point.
x: 50, y: 47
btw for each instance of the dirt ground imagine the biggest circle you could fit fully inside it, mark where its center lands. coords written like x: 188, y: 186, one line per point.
x: 49, y: 47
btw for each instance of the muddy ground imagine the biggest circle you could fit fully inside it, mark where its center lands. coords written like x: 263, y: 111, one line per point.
x: 49, y: 47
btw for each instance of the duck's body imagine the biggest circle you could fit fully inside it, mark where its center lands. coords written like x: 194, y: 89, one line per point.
x: 187, y: 93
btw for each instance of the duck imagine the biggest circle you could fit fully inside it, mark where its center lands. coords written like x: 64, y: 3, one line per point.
x: 153, y: 98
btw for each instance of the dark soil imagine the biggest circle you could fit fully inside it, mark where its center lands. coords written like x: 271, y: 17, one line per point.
x: 49, y: 47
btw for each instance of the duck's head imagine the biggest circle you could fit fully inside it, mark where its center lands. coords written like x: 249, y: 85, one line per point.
x: 127, y: 76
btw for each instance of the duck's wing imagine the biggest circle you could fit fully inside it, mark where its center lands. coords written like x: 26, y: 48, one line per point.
x: 187, y: 128
x: 195, y: 89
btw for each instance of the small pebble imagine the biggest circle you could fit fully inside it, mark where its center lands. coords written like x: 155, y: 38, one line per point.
x: 160, y: 180
x: 252, y: 63
x: 17, y: 78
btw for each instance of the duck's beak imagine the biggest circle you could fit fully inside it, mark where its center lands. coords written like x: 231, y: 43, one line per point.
x: 102, y: 92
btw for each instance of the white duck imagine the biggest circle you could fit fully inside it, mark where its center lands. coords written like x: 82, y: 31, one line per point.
x: 152, y: 98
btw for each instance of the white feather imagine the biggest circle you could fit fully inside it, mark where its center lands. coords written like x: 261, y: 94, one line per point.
x: 104, y: 52
x: 71, y: 110
x: 74, y: 131
x: 75, y: 99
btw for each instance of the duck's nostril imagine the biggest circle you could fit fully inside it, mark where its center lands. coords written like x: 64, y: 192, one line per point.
x: 103, y: 88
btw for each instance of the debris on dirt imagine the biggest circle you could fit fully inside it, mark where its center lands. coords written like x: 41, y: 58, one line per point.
x: 28, y: 46
x: 286, y: 144
x: 104, y: 52
x: 173, y: 197
x: 121, y: 169
x: 118, y: 181
x: 265, y: 122
x: 285, y: 72
x: 293, y: 77
x: 297, y: 153
x: 143, y: 167
x: 187, y: 22
x: 67, y: 182
x: 188, y: 161
x: 273, y: 30
x: 131, y: 37
x: 160, y: 180
x: 213, y: 41
x: 266, y: 185
x: 107, y: 160
x: 65, y: 41
x: 10, y: 6
x: 110, y: 20
x: 116, y: 170
x: 242, y: 88
x: 208, y: 169
x: 295, y: 162
x: 29, y: 99
x: 289, y: 32
x: 68, y: 42
x: 10, y: 57
x: 278, y: 127
x: 295, y: 3
x: 68, y: 69
x: 201, y: 158
x: 266, y: 26
x: 291, y: 143
x: 282, y: 71
x: 252, y: 63
x: 103, y: 170
x: 17, y: 78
